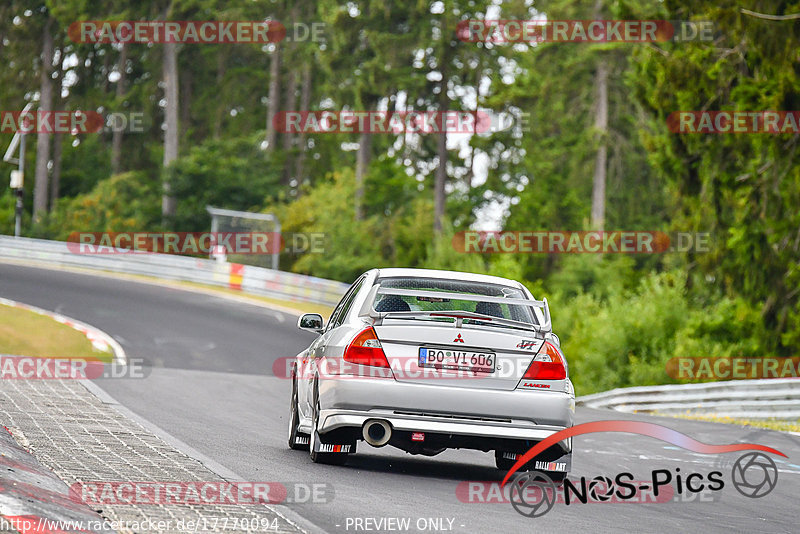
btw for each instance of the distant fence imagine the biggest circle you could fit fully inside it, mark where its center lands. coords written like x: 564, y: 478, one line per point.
x: 748, y: 399
x: 248, y: 279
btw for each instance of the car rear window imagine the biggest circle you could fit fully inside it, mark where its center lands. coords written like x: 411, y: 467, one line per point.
x: 505, y: 311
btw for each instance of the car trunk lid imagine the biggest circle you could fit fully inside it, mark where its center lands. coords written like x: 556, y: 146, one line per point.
x: 472, y: 356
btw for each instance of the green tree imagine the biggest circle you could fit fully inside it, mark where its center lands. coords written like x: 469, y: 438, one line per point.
x: 745, y: 189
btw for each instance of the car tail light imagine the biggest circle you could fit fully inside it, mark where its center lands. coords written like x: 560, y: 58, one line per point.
x: 548, y: 364
x: 366, y: 349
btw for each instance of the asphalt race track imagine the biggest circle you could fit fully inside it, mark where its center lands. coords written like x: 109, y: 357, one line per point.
x: 209, y: 385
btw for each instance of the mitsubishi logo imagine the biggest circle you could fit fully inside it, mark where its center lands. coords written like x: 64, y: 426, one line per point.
x: 458, y: 339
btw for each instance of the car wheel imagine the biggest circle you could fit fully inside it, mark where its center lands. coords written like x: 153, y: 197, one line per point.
x: 331, y: 458
x: 297, y: 440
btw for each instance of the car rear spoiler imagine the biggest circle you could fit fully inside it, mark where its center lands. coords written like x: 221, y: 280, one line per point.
x: 368, y: 310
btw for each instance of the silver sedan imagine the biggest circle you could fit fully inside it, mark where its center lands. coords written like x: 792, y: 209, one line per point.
x: 427, y: 360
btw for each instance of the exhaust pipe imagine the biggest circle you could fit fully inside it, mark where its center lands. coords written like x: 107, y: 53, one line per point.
x: 376, y: 432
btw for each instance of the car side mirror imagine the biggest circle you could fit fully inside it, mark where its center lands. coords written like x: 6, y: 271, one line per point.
x: 311, y: 322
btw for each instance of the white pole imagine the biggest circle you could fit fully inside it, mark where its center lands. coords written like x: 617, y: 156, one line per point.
x: 276, y: 253
x: 20, y: 190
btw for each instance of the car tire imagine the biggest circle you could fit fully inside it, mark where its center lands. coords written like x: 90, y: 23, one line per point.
x: 298, y: 441
x: 330, y: 458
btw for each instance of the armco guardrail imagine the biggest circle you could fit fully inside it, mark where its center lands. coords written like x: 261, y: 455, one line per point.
x: 749, y: 399
x: 248, y: 279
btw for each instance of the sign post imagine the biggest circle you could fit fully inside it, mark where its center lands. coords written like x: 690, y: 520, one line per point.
x: 245, y: 220
x: 18, y: 176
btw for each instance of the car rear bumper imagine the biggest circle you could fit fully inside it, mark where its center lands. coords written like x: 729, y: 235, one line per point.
x: 482, y: 413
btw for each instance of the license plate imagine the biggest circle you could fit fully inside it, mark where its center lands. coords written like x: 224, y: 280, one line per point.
x: 459, y: 360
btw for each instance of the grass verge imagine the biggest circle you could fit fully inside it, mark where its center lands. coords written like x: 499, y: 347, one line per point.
x: 25, y: 333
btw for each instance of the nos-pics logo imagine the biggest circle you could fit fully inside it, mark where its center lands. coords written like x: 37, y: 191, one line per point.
x: 534, y: 493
